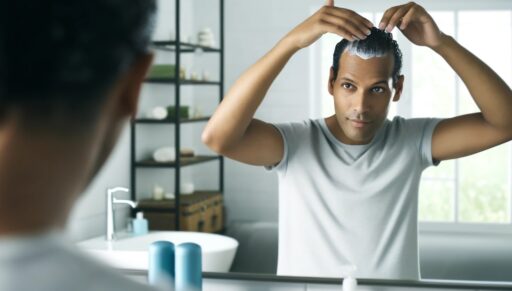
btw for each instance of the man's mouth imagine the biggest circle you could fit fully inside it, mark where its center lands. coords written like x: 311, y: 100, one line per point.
x: 359, y: 123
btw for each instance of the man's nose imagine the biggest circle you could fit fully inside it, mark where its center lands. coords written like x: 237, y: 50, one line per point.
x: 361, y: 102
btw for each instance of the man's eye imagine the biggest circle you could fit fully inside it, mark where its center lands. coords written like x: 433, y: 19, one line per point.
x: 347, y: 85
x: 377, y: 90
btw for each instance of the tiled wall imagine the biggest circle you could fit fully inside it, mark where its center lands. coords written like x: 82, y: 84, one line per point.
x: 252, y: 29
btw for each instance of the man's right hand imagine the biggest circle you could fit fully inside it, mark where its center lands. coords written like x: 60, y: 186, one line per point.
x: 343, y: 22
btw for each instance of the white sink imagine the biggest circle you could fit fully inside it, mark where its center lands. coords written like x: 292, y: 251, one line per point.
x: 131, y: 252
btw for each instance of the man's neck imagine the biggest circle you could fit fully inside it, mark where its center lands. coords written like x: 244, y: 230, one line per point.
x: 38, y: 178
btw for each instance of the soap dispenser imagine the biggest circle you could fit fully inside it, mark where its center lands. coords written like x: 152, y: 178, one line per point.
x: 140, y: 224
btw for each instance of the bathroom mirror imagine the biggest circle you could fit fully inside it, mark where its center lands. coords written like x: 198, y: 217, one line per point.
x: 465, y: 223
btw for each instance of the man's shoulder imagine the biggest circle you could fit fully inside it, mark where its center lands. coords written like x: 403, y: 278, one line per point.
x: 297, y: 128
x: 104, y: 277
x: 55, y: 263
x: 411, y: 123
x: 300, y: 124
x: 412, y: 129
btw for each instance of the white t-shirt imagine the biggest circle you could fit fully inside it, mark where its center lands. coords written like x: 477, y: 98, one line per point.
x: 48, y: 263
x: 356, y: 205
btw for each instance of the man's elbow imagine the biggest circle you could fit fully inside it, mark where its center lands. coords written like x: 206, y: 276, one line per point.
x: 500, y: 123
x: 507, y: 132
x: 212, y: 141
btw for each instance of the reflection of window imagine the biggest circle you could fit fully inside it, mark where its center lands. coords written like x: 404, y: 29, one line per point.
x: 477, y: 188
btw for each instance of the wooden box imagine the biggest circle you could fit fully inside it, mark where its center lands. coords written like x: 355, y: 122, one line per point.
x: 201, y: 211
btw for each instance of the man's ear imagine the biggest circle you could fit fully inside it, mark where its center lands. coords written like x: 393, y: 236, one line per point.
x: 132, y: 84
x: 399, y: 86
x: 330, y: 83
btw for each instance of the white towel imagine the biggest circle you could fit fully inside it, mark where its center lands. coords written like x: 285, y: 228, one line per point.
x: 158, y: 112
x: 165, y: 154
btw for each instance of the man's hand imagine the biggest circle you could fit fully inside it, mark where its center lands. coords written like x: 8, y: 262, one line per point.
x: 465, y: 134
x: 340, y: 21
x: 414, y: 22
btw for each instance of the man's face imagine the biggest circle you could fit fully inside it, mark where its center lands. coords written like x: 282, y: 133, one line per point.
x: 362, y: 92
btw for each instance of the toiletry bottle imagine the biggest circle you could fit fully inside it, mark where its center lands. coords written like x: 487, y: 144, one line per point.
x: 349, y: 281
x: 188, y: 267
x: 158, y: 192
x: 161, y: 271
x: 140, y: 224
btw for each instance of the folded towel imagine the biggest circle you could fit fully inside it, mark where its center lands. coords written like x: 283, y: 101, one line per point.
x: 158, y: 112
x: 165, y: 154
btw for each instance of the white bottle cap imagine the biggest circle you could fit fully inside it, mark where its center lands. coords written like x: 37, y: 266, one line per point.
x: 349, y: 282
x: 140, y: 215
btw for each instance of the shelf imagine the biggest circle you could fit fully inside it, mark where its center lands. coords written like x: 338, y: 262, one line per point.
x: 184, y: 47
x: 172, y: 79
x: 170, y: 121
x: 169, y: 204
x: 182, y: 82
x: 185, y: 161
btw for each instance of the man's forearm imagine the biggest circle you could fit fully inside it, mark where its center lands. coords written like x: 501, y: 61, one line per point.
x: 234, y: 114
x: 490, y: 92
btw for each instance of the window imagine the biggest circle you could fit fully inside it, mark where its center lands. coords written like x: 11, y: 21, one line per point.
x: 474, y: 189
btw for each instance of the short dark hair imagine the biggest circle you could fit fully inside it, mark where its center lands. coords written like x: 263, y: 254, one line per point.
x: 378, y: 43
x: 59, y: 57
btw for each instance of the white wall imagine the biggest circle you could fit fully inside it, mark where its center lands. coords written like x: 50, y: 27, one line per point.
x: 252, y: 28
x: 88, y: 217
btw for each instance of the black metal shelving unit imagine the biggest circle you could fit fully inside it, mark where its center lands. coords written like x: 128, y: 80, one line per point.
x: 178, y: 48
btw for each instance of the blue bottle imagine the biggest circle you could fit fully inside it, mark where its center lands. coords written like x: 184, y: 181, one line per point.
x: 161, y: 271
x: 140, y: 224
x: 189, y: 275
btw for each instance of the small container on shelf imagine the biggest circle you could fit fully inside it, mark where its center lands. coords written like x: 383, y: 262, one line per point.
x: 158, y: 193
x: 183, y: 111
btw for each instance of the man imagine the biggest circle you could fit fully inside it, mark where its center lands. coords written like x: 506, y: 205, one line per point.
x: 348, y: 184
x: 70, y: 78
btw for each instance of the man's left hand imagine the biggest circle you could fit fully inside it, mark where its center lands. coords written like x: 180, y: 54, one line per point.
x: 414, y: 22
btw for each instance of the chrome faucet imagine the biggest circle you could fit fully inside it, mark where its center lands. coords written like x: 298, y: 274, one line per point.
x: 111, y: 200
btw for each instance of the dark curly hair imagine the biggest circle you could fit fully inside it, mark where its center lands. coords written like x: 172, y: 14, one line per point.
x: 58, y: 57
x: 378, y: 43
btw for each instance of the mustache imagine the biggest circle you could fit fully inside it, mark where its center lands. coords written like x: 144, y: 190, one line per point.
x: 358, y: 116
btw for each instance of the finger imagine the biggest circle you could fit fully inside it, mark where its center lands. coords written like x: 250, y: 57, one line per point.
x: 353, y: 16
x: 387, y: 15
x: 333, y: 28
x: 396, y: 17
x: 355, y: 29
x: 329, y: 3
x: 407, y: 19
